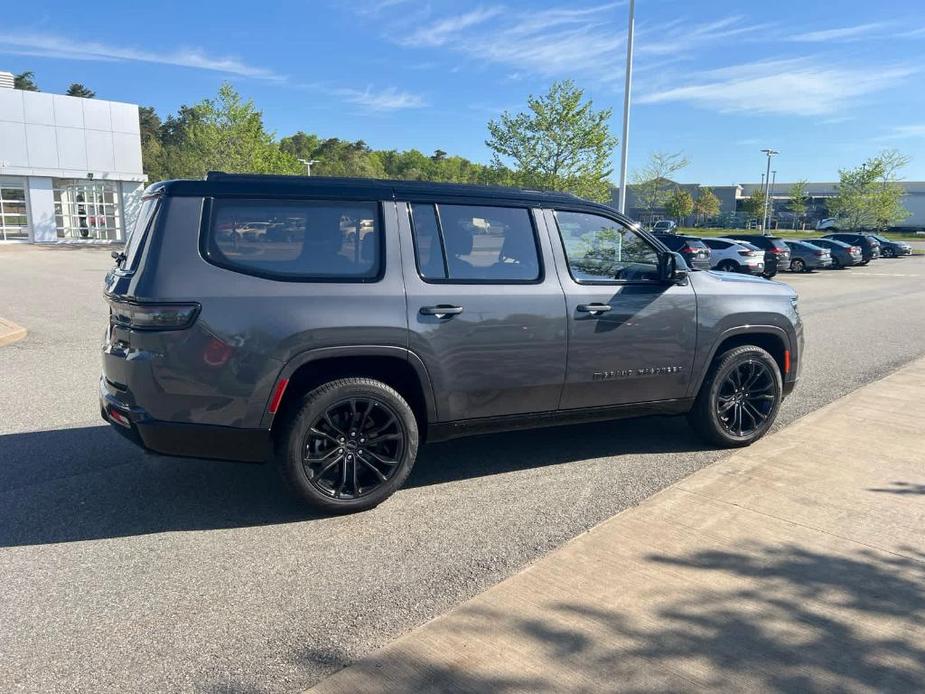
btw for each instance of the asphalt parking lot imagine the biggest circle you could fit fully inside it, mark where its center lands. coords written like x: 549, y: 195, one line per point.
x: 122, y: 572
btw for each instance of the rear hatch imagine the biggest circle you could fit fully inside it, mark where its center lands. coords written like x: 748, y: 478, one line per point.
x: 697, y: 253
x: 778, y: 250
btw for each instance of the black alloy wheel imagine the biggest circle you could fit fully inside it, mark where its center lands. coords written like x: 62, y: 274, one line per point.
x: 746, y: 398
x: 353, y: 448
x: 797, y: 265
x: 728, y: 266
x: 739, y: 399
x: 349, y: 445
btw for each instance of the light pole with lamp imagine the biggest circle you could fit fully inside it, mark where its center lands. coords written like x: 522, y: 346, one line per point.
x: 308, y: 165
x: 626, y: 106
x: 767, y: 191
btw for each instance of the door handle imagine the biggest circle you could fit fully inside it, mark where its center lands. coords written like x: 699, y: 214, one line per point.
x: 593, y: 309
x: 441, y: 310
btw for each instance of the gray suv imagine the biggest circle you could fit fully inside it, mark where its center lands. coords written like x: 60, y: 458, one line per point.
x: 335, y: 325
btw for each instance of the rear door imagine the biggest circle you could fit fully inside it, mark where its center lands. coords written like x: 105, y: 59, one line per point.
x: 486, y: 312
x: 631, y: 336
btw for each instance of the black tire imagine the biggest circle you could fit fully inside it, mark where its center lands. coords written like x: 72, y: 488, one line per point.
x: 331, y: 421
x: 888, y: 253
x: 864, y: 262
x: 706, y: 417
x: 836, y: 264
x: 728, y: 266
x: 797, y: 265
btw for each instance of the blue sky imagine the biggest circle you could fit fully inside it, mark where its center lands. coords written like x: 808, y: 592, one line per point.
x: 826, y: 83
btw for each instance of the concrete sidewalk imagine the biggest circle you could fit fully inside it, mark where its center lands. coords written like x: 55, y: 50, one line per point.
x: 795, y: 565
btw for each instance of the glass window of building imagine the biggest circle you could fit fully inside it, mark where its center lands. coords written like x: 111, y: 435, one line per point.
x: 14, y: 220
x: 87, y: 210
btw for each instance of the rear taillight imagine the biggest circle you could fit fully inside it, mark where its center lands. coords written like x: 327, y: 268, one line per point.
x: 748, y: 254
x: 819, y: 254
x: 778, y: 251
x: 152, y: 316
x: 855, y: 249
x: 685, y: 249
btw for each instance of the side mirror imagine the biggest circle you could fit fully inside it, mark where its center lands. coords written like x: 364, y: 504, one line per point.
x: 675, y: 269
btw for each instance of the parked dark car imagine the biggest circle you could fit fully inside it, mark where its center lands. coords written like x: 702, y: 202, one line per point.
x: 392, y: 313
x: 843, y: 254
x: 776, y: 252
x: 805, y: 257
x: 695, y: 252
x: 869, y: 245
x: 892, y: 249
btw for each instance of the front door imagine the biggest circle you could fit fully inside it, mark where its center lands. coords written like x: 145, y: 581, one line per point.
x: 486, y: 312
x: 631, y: 336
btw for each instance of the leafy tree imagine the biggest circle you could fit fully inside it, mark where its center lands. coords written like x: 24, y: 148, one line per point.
x: 799, y: 201
x: 706, y: 206
x: 870, y: 195
x: 226, y: 134
x: 886, y: 206
x: 25, y: 81
x: 77, y: 89
x: 652, y: 183
x: 152, y: 151
x: 560, y: 143
x: 679, y: 204
x: 753, y: 205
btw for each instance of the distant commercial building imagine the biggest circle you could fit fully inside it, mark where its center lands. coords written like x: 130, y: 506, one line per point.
x: 70, y: 168
x: 731, y: 200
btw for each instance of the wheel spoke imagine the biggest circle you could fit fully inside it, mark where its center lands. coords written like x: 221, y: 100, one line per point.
x: 327, y: 419
x: 326, y: 456
x: 327, y: 467
x: 384, y: 461
x: 382, y: 478
x: 726, y: 406
x: 755, y: 412
x: 318, y: 432
x: 343, y: 479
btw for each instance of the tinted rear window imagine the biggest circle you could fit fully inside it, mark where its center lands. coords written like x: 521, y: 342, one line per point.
x: 297, y: 240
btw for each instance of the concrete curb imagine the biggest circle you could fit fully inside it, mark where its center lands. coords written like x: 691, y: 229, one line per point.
x: 10, y: 332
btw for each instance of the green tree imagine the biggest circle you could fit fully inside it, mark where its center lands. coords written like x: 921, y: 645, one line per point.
x: 679, y: 204
x: 753, y: 205
x: 560, y: 143
x: 652, y: 183
x: 152, y: 151
x: 886, y: 206
x: 870, y: 195
x: 706, y: 206
x: 77, y: 89
x: 224, y: 134
x: 799, y: 201
x: 25, y: 81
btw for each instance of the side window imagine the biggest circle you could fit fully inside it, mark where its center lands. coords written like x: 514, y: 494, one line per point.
x: 298, y: 240
x: 479, y: 243
x: 718, y: 245
x: 600, y: 249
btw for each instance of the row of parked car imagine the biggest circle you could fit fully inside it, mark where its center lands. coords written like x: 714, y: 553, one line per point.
x: 757, y: 254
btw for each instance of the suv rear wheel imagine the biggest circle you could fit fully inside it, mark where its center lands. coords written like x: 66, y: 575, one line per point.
x: 350, y: 446
x: 739, y: 399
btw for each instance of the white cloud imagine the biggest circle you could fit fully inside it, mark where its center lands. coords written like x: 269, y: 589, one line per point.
x: 840, y: 33
x: 905, y: 132
x: 389, y: 99
x: 798, y: 86
x: 584, y: 42
x: 52, y: 46
x: 443, y: 30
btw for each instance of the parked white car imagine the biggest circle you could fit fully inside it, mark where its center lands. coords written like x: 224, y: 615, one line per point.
x: 827, y: 224
x: 727, y: 255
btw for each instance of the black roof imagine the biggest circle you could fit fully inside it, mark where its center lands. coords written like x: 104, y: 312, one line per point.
x: 262, y: 185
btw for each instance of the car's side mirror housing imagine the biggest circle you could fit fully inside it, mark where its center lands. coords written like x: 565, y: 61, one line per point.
x: 674, y: 268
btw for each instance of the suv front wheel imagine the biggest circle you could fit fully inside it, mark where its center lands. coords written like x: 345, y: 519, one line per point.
x: 350, y: 446
x: 739, y: 399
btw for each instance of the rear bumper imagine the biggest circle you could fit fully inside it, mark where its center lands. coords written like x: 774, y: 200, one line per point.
x: 184, y: 440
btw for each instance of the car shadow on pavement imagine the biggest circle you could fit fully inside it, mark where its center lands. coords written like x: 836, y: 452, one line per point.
x: 772, y: 618
x: 88, y: 483
x: 901, y: 488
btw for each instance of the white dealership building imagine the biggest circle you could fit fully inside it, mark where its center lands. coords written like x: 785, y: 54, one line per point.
x: 70, y: 168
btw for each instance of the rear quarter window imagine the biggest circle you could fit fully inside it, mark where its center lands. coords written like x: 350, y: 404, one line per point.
x: 296, y: 240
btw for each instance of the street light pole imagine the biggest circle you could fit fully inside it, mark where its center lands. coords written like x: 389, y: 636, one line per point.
x: 308, y: 165
x: 767, y: 179
x: 626, y: 105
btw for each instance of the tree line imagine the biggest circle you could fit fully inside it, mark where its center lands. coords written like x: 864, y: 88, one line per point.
x: 559, y: 142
